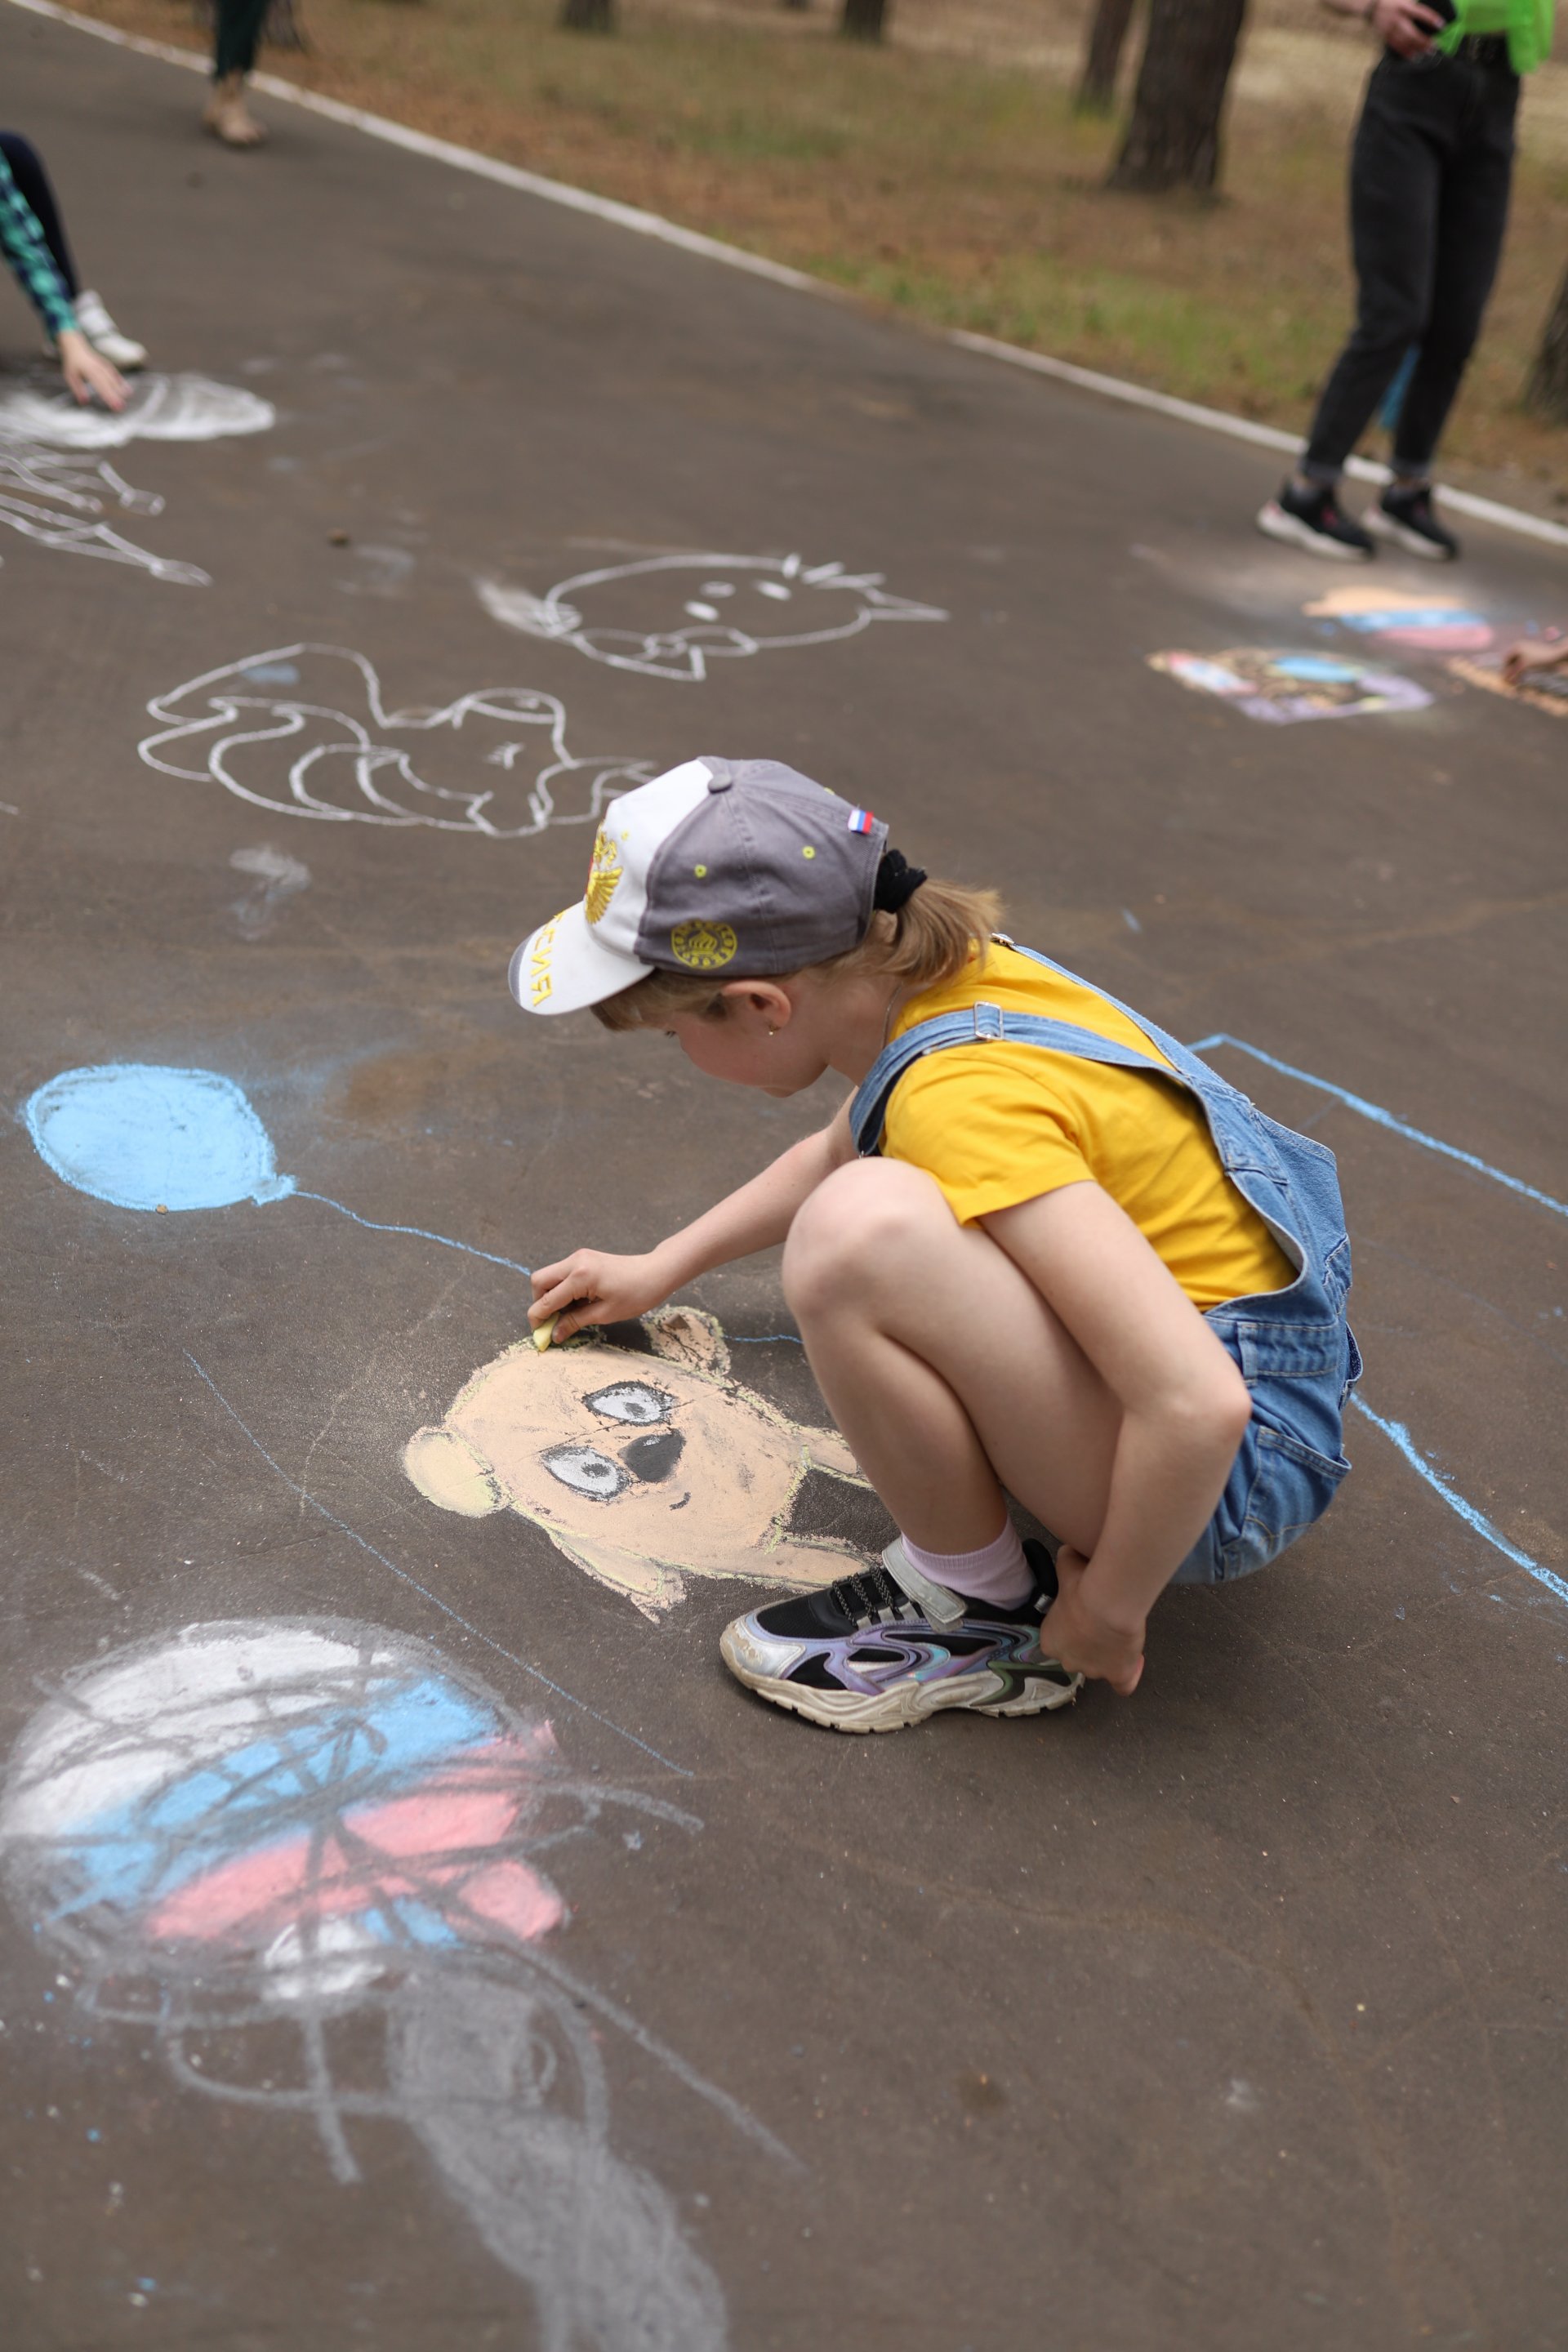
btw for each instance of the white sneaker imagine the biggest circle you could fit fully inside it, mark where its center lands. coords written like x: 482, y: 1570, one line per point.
x: 105, y: 337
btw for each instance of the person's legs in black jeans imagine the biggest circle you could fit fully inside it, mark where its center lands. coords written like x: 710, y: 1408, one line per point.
x: 26, y: 167
x: 1472, y: 217
x: 1396, y: 171
x: 238, y: 36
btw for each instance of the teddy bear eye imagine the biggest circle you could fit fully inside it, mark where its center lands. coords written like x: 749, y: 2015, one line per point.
x: 586, y: 1470
x: 633, y: 1401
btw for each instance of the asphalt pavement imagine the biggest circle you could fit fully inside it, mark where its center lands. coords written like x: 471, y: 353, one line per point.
x: 343, y: 2001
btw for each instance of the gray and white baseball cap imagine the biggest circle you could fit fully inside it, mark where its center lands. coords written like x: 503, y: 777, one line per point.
x: 737, y: 867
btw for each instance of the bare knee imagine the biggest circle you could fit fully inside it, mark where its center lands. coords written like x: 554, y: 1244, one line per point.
x: 862, y: 1228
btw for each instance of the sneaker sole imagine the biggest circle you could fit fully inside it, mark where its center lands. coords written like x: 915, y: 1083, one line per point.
x: 905, y: 1703
x: 1275, y: 523
x: 1411, y: 541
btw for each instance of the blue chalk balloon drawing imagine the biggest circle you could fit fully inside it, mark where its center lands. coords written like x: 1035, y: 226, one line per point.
x: 141, y: 1136
x: 146, y: 1138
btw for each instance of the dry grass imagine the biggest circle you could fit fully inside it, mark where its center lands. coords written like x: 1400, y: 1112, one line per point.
x: 946, y: 175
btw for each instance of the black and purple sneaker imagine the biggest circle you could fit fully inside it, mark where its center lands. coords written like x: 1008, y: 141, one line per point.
x: 887, y: 1647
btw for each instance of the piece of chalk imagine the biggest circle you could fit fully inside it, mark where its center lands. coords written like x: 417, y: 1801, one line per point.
x: 544, y: 1332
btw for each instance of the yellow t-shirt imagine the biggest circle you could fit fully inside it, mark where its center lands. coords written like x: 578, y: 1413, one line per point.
x: 996, y: 1124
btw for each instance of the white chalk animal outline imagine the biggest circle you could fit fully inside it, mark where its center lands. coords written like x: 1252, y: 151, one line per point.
x: 685, y: 652
x: 49, y: 451
x: 82, y: 486
x: 243, y: 707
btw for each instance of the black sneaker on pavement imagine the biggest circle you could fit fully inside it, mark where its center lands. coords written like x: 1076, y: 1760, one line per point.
x: 1407, y: 519
x: 887, y: 1647
x: 1312, y: 519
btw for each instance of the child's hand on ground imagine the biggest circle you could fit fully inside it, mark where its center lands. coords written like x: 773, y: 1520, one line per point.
x: 88, y: 373
x: 1535, y: 653
x: 590, y: 1286
x: 1085, y: 1641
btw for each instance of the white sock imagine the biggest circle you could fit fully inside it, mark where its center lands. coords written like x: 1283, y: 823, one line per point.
x: 997, y: 1572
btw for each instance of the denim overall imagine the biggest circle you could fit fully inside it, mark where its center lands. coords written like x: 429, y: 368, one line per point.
x: 1293, y: 1347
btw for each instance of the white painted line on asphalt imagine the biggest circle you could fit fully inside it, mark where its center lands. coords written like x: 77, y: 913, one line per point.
x: 734, y: 256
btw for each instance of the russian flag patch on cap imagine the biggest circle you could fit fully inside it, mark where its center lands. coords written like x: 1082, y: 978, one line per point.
x: 862, y: 820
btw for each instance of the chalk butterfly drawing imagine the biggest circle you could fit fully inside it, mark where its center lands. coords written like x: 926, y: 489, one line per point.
x: 604, y: 1448
x: 304, y: 730
x: 271, y: 1823
x: 56, y: 488
x: 670, y: 616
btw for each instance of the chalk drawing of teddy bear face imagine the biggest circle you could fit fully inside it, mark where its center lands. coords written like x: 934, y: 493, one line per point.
x: 305, y: 731
x: 670, y: 616
x: 642, y: 1469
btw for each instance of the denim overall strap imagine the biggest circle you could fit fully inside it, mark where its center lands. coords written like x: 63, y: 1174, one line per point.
x: 1287, y: 1177
x: 1181, y: 1057
x: 982, y: 1024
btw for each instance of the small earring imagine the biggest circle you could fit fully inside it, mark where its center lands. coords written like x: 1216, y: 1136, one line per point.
x: 773, y: 1032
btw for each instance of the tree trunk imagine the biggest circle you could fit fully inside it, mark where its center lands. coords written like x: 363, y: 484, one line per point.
x: 1172, y: 140
x: 587, y: 16
x: 1096, y: 92
x: 863, y: 20
x: 1547, y: 391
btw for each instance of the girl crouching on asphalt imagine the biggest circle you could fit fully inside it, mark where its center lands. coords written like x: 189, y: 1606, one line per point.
x: 1043, y: 1251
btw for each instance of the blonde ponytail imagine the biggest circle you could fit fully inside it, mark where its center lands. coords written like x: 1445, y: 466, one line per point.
x: 930, y: 939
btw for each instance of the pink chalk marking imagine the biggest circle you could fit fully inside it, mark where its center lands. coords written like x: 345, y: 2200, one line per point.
x: 443, y: 1827
x: 1462, y: 638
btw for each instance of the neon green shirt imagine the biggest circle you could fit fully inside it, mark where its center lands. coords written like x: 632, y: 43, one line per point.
x: 1526, y: 23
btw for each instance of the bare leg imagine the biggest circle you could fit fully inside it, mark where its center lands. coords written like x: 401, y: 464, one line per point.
x: 945, y: 1368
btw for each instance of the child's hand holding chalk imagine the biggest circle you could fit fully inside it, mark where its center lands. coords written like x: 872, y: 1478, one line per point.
x: 590, y: 1286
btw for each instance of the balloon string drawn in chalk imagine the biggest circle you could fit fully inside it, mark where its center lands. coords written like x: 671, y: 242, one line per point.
x: 418, y: 1231
x: 143, y: 1137
x: 1380, y: 1117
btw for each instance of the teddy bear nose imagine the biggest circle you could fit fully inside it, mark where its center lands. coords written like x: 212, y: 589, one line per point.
x: 655, y: 1456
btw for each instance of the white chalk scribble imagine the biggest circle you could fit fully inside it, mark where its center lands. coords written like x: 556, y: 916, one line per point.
x: 278, y: 877
x: 277, y: 1826
x: 670, y: 616
x: 160, y: 408
x: 304, y: 731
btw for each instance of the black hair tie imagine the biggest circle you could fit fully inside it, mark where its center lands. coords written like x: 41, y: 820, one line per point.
x: 896, y: 882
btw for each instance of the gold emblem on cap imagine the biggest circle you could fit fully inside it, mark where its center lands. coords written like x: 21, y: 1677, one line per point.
x: 703, y: 947
x: 604, y: 873
x: 540, y: 983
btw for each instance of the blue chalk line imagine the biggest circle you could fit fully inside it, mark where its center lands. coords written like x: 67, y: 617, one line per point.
x: 1380, y: 1117
x: 424, y: 1591
x: 1396, y: 1433
x: 418, y: 1231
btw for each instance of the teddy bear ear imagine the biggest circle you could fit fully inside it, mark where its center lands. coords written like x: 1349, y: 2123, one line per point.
x: 685, y: 1335
x: 449, y: 1473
